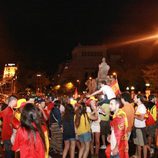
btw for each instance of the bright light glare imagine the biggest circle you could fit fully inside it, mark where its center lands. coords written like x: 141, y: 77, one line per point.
x: 136, y: 40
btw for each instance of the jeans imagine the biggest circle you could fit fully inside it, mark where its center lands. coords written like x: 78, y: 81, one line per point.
x: 7, y: 147
x: 115, y: 156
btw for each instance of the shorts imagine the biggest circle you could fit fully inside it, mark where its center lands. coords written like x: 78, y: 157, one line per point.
x: 151, y: 130
x: 141, y: 137
x: 95, y: 128
x: 68, y: 138
x: 85, y: 137
x: 115, y: 156
x: 105, y: 127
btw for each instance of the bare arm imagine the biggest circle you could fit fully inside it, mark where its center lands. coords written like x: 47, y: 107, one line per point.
x: 93, y: 115
x: 95, y: 93
x: 140, y: 116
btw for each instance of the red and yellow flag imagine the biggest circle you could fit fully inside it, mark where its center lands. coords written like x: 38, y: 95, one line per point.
x: 115, y: 87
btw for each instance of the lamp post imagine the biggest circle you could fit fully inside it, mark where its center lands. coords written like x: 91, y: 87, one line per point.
x: 147, y: 91
x: 38, y: 83
x: 132, y: 92
x: 78, y: 85
x: 114, y: 75
x: 127, y: 88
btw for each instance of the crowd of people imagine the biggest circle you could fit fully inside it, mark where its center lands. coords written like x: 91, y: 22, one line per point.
x: 45, y: 125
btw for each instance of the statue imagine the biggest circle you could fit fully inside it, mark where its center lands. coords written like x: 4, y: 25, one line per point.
x: 91, y: 85
x: 94, y: 85
x: 103, y: 70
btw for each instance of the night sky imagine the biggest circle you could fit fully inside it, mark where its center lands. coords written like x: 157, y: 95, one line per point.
x: 40, y: 34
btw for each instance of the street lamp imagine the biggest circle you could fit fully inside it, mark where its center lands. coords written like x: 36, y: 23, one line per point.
x: 69, y: 85
x: 132, y: 88
x: 127, y: 88
x: 147, y: 85
x: 78, y: 81
x: 132, y: 92
x: 38, y: 83
x: 147, y: 91
x: 114, y: 75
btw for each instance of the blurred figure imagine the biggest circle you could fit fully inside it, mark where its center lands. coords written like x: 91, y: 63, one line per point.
x: 151, y: 107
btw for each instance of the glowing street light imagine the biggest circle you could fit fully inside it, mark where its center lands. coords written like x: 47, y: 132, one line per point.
x: 114, y: 74
x: 132, y: 88
x: 77, y: 81
x: 57, y: 87
x: 147, y: 91
x: 69, y: 85
x: 38, y: 75
x: 147, y: 84
x: 127, y: 88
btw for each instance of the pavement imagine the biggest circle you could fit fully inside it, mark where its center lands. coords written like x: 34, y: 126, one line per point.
x: 102, y: 152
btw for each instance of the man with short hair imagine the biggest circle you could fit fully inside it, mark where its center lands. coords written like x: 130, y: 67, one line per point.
x: 119, y: 124
x: 140, y: 126
x: 7, y: 115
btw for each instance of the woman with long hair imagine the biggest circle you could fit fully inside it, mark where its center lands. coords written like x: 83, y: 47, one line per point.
x: 30, y: 138
x: 69, y: 131
x: 83, y: 131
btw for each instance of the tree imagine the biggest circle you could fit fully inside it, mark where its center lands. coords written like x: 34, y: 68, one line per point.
x: 150, y: 74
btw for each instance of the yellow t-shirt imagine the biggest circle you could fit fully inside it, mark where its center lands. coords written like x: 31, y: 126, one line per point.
x: 84, y: 126
x: 107, y: 111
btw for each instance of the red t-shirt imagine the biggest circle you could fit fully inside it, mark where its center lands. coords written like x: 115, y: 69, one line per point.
x: 29, y: 145
x: 7, y: 116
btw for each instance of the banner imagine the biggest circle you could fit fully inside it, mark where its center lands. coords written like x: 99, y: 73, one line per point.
x: 115, y: 87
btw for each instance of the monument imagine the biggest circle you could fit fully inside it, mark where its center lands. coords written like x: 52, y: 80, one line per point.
x: 92, y: 84
x: 103, y: 70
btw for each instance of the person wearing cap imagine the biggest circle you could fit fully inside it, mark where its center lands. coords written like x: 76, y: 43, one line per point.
x: 16, y: 117
x: 7, y: 115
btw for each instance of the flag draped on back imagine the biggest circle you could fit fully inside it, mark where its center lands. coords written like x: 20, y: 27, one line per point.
x: 115, y: 86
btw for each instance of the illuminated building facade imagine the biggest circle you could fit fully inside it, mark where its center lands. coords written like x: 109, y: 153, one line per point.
x: 8, y: 83
x: 9, y: 71
x: 84, y: 63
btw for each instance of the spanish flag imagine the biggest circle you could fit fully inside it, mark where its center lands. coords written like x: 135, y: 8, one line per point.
x: 115, y: 87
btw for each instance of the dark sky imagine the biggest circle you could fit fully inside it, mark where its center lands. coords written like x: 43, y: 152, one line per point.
x: 40, y: 33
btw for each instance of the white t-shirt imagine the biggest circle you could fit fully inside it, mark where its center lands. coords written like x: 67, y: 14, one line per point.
x: 142, y: 110
x: 107, y: 90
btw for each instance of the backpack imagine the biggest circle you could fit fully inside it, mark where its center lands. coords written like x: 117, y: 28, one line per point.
x: 151, y: 116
